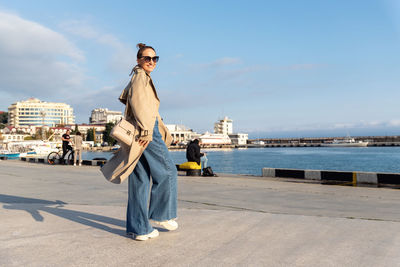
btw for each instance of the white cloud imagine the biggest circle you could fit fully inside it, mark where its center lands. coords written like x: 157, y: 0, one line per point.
x: 35, y: 60
x: 394, y: 123
x: 106, y: 97
x: 122, y: 57
x: 30, y: 38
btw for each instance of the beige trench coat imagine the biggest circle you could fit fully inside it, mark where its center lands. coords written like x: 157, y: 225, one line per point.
x: 142, y: 103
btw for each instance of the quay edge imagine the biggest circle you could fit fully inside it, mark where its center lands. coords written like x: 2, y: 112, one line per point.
x: 347, y: 177
x: 99, y: 162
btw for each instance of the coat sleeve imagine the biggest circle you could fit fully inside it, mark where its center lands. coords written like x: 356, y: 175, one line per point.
x: 140, y: 97
x: 167, y: 137
x: 198, y: 154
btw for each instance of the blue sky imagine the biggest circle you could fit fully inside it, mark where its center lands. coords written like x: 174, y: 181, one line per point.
x: 277, y: 68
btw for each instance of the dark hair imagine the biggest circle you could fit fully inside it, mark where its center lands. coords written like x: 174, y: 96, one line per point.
x: 141, y: 48
x: 196, y: 141
x: 78, y: 133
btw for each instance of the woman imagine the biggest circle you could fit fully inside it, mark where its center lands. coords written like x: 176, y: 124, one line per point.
x: 78, y: 148
x: 149, y: 155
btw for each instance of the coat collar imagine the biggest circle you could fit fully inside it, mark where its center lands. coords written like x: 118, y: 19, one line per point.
x: 137, y: 69
x: 124, y: 95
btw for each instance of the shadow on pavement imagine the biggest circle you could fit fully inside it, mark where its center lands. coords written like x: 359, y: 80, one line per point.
x: 57, y: 208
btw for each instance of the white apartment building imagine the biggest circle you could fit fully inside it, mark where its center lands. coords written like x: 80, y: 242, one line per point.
x: 103, y: 115
x: 224, y: 126
x: 34, y: 112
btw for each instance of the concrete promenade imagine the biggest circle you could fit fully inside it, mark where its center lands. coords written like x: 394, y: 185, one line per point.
x: 71, y: 216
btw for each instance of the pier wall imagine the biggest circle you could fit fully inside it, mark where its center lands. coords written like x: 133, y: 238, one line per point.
x: 335, y: 176
x: 84, y: 162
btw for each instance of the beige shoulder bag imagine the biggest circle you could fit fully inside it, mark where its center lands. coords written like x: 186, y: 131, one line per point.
x: 123, y: 132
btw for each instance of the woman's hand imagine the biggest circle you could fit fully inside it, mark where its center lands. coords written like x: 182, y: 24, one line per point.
x: 143, y: 143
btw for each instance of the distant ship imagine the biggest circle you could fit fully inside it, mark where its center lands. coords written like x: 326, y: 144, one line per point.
x: 215, y: 139
x: 258, y: 142
x: 347, y: 142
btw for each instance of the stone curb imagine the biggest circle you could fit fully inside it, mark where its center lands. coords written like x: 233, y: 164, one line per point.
x: 84, y: 162
x: 340, y: 176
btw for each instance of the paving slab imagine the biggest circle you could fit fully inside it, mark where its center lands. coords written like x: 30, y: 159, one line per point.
x: 66, y: 216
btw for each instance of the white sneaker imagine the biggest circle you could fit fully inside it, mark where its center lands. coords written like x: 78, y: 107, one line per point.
x: 74, y: 164
x: 80, y: 164
x: 170, y: 225
x: 153, y: 234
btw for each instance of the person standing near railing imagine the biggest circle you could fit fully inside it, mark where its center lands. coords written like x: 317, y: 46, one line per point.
x: 78, y: 148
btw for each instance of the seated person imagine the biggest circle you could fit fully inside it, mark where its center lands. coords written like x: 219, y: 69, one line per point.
x: 193, y: 154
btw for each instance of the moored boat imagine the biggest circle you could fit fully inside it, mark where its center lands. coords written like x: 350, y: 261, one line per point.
x: 9, y: 154
x: 347, y: 142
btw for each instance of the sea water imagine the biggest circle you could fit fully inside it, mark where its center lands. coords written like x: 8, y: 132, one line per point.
x: 252, y: 160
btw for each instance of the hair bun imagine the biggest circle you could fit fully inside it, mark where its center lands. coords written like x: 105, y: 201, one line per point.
x: 140, y: 45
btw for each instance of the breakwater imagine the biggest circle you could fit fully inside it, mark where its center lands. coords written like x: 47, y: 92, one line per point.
x: 318, y: 141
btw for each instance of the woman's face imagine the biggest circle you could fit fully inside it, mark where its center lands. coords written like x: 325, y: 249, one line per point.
x: 148, y: 66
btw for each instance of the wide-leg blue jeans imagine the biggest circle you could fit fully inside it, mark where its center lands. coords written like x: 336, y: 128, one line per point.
x: 156, y: 164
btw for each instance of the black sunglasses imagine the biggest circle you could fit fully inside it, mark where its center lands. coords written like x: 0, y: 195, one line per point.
x: 147, y: 59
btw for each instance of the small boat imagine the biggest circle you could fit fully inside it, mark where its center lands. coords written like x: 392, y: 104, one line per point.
x: 8, y: 154
x: 347, y: 142
x: 40, y: 150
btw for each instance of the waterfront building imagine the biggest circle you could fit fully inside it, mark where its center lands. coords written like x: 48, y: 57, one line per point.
x: 7, y: 138
x: 34, y: 112
x: 103, y: 115
x: 215, y: 139
x: 181, y: 134
x: 224, y: 126
x: 97, y: 129
x: 19, y: 130
x: 239, y: 138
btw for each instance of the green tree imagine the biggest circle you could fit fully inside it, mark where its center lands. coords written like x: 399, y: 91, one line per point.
x: 75, y: 130
x: 3, y: 120
x: 90, y: 135
x: 4, y: 117
x: 106, y: 134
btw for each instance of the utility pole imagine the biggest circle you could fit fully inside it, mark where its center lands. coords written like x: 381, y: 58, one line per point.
x: 43, y: 114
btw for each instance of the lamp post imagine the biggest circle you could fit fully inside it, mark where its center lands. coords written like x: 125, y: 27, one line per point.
x: 43, y: 114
